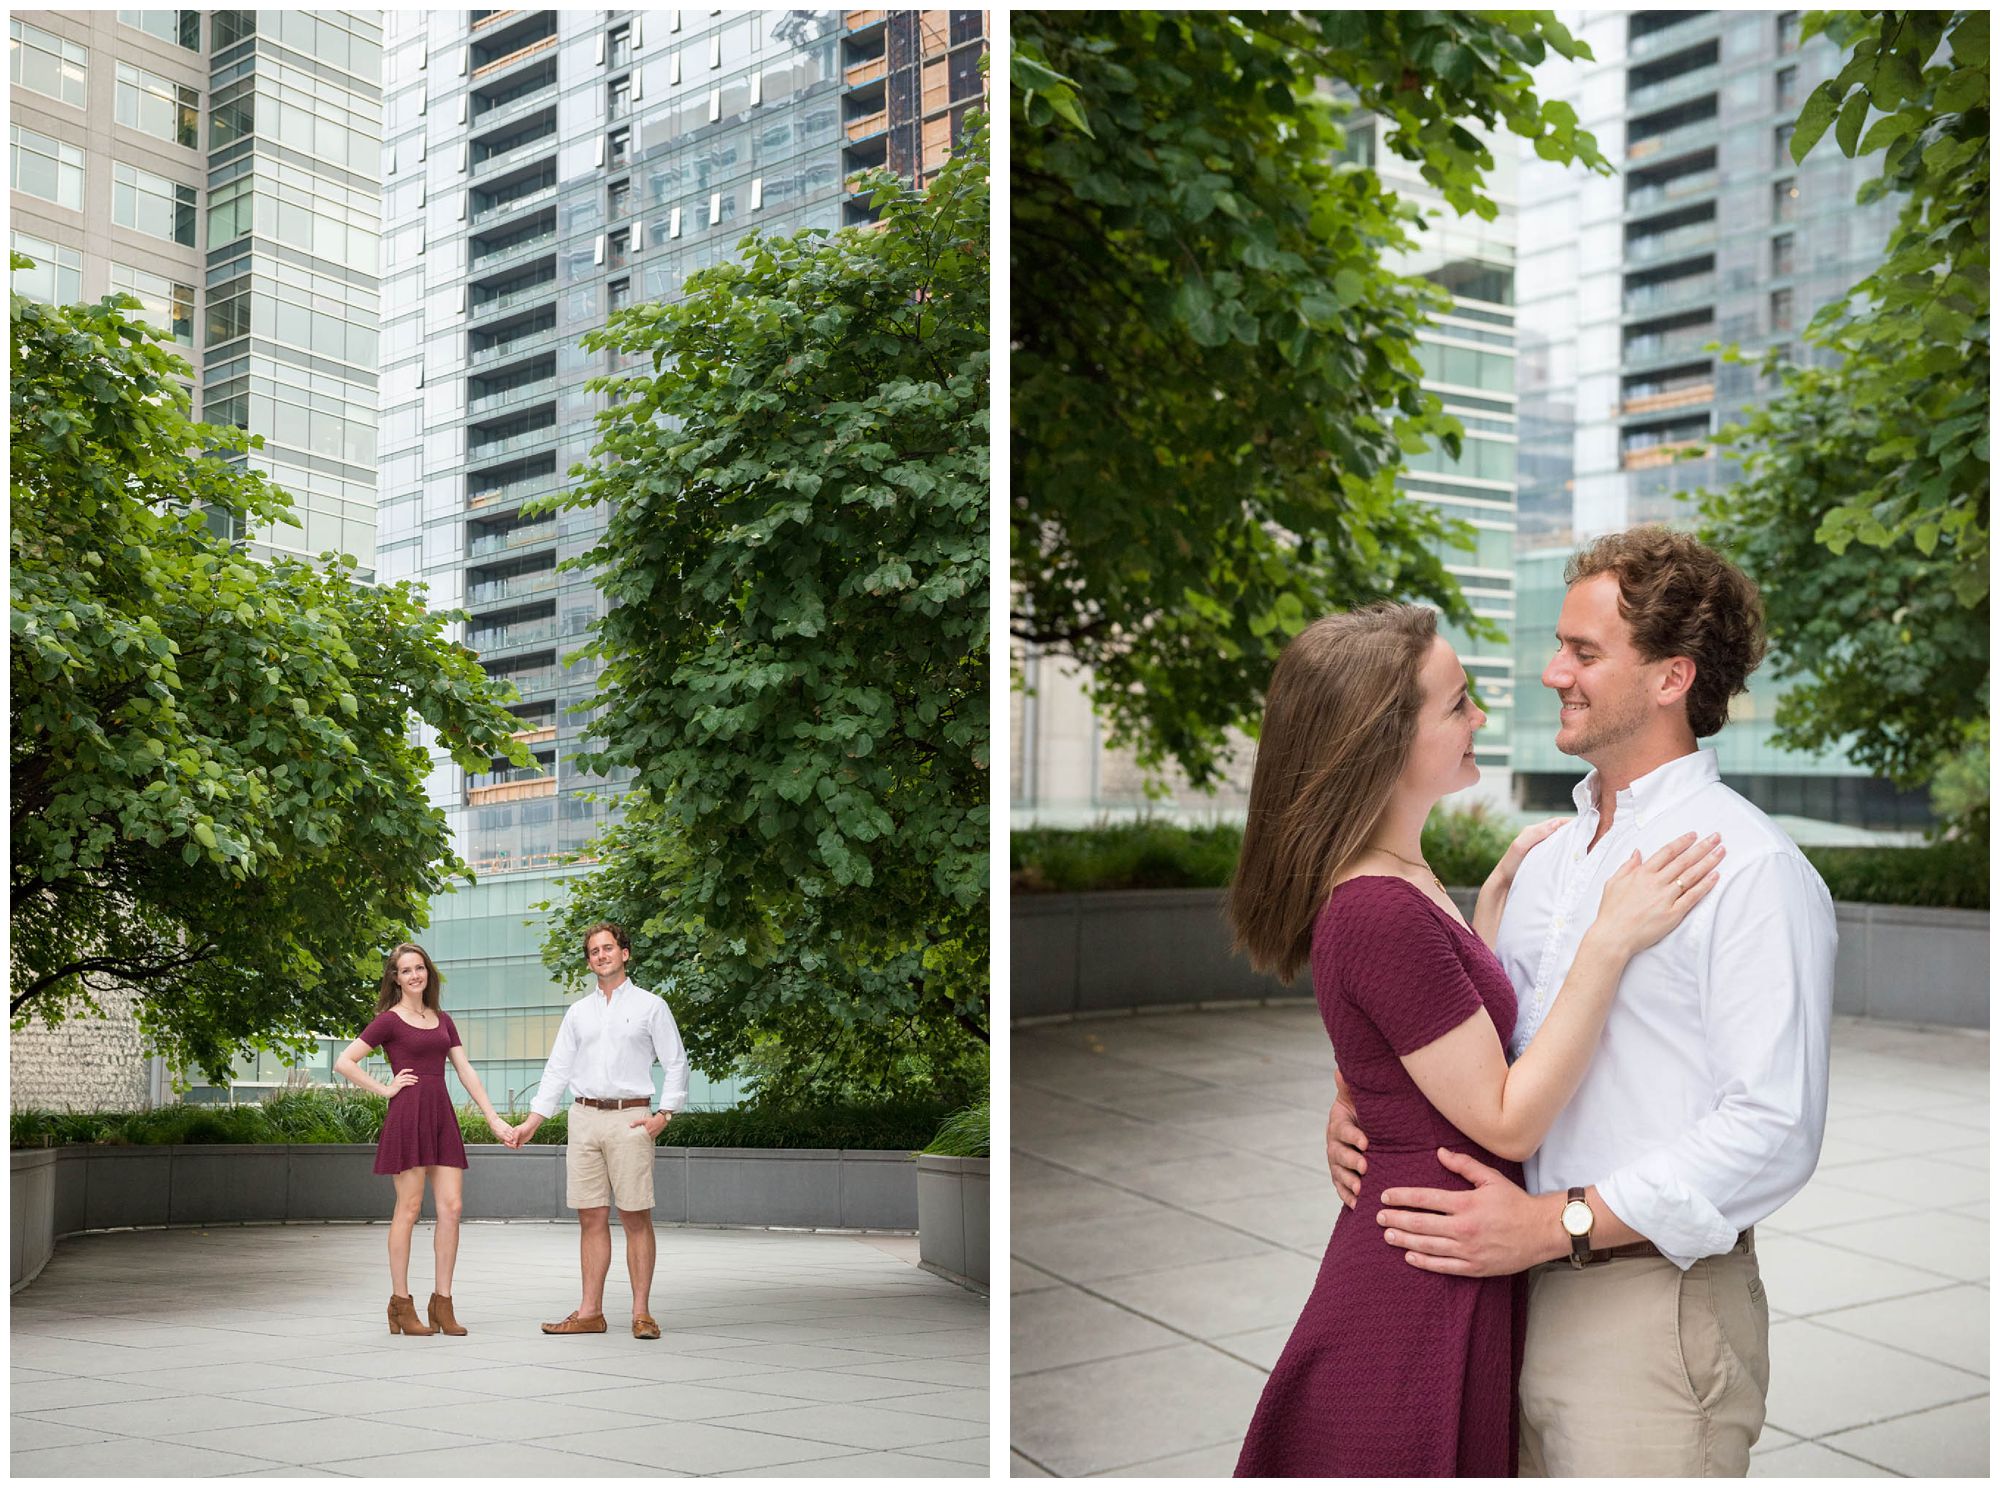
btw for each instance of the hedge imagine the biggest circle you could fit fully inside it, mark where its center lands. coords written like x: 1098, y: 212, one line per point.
x: 325, y: 1115
x: 1462, y: 847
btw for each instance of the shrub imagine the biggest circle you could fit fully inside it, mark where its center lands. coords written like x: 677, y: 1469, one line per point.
x: 966, y: 1133
x: 1942, y: 875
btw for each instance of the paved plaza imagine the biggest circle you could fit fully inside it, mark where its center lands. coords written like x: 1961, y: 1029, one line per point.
x: 262, y: 1351
x: 1171, y: 1203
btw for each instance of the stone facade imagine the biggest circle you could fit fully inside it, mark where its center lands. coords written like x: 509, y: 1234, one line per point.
x: 83, y: 1064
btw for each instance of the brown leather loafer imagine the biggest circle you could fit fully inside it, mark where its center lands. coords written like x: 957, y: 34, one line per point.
x: 577, y: 1323
x: 643, y: 1326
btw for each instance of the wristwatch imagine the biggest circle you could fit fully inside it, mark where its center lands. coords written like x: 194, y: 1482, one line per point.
x: 1578, y: 1220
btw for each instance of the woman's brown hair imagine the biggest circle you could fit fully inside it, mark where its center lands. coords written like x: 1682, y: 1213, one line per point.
x: 391, y: 992
x: 1339, y: 717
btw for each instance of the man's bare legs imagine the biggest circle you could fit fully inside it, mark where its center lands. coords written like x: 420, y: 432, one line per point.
x: 641, y: 1248
x: 409, y: 1204
x: 448, y: 1191
x: 596, y: 1227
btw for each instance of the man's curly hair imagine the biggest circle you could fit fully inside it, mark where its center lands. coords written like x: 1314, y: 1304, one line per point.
x: 1682, y: 598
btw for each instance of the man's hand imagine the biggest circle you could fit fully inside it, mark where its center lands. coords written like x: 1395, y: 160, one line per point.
x: 1345, y: 1142
x: 1492, y: 1229
x: 525, y: 1130
x: 654, y: 1124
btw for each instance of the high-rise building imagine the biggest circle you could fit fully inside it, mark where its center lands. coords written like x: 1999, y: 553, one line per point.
x: 1709, y: 232
x: 543, y: 169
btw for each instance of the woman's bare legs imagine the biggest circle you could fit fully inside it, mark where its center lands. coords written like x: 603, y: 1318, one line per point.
x: 448, y: 1190
x: 409, y: 1204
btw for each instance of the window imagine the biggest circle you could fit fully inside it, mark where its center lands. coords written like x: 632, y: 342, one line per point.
x: 617, y: 200
x: 620, y: 293
x: 1784, y: 199
x: 228, y: 318
x: 46, y: 64
x: 231, y: 26
x: 1788, y: 30
x: 182, y: 26
x: 1781, y: 310
x: 47, y: 168
x: 1781, y: 254
x: 618, y: 102
x: 169, y: 306
x: 621, y: 146
x: 1788, y: 87
x: 621, y: 248
x: 1781, y: 146
x: 152, y: 105
x: 152, y: 204
x: 619, y: 52
x: 56, y: 278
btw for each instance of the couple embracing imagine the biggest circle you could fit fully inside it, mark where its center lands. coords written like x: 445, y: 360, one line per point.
x: 604, y: 1052
x: 1555, y: 1128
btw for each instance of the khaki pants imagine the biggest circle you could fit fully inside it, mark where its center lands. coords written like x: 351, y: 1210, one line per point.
x: 1635, y: 1368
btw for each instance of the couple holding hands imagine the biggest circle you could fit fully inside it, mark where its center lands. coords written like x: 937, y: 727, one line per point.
x: 604, y: 1051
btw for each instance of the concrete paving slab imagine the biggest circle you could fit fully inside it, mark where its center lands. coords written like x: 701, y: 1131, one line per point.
x: 271, y: 1356
x: 1130, y: 1359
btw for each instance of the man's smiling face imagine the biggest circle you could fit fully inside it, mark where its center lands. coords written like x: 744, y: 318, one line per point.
x: 1596, y: 672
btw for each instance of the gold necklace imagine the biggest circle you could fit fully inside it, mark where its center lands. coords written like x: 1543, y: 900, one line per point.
x: 1419, y: 864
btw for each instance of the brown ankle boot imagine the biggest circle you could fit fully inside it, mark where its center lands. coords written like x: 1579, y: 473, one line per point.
x: 403, y: 1317
x: 441, y: 1318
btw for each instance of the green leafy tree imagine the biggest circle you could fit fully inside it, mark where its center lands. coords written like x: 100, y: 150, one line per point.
x: 795, y: 659
x: 1861, y: 508
x: 216, y: 802
x: 1215, y: 372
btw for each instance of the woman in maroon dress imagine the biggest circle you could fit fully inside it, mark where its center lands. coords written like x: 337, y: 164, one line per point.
x: 420, y: 1134
x: 1393, y: 1371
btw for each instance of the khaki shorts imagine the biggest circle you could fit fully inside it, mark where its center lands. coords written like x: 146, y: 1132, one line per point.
x: 609, y: 1159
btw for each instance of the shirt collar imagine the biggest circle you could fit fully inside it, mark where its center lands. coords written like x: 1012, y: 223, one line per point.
x: 1656, y: 790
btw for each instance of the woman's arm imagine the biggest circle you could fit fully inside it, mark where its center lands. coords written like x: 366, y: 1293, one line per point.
x: 1509, y: 1110
x: 477, y: 1091
x: 1499, y: 883
x: 348, y: 1066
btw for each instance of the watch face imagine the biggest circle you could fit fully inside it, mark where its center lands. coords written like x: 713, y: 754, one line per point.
x: 1576, y: 1218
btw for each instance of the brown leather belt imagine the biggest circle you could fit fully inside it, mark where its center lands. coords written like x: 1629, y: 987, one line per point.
x: 614, y: 1105
x: 1745, y: 1245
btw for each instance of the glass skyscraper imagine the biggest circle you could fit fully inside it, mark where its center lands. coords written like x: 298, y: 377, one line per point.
x: 1708, y: 233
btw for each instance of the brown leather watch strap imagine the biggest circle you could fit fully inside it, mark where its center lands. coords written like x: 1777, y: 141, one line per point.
x: 1579, y: 1245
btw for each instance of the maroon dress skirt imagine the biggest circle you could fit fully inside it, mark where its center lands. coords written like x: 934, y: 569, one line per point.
x: 1393, y: 1371
x: 421, y: 1129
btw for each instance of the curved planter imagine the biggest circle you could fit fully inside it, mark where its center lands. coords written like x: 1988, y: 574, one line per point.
x: 1126, y: 949
x: 952, y: 1206
x: 67, y: 1190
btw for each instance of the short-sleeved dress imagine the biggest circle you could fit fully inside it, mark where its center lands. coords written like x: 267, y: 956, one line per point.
x: 1394, y: 1371
x: 421, y: 1129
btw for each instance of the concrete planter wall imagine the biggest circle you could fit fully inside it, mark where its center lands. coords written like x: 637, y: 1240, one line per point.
x: 952, y: 1229
x: 1088, y: 953
x: 66, y: 1190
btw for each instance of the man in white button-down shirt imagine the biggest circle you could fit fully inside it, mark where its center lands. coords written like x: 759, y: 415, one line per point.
x: 1705, y: 1102
x: 604, y: 1055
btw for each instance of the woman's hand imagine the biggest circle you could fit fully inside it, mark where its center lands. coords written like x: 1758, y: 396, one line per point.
x: 404, y: 1079
x: 1522, y: 845
x: 1643, y: 901
x: 501, y: 1129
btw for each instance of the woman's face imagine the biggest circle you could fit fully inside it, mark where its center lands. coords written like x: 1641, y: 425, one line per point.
x: 411, y: 974
x: 1441, y: 753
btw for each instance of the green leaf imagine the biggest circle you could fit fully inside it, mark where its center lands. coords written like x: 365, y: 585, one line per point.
x: 1847, y: 133
x: 1813, y: 119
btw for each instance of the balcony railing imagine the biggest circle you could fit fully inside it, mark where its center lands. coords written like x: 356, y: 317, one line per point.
x: 1696, y: 84
x: 499, y: 351
x: 869, y: 71
x: 541, y: 144
x: 515, y: 204
x: 1662, y: 296
x: 521, y: 586
x: 493, y: 449
x: 493, y: 18
x: 527, y: 392
x: 1691, y: 27
x: 501, y: 64
x: 520, y: 490
x: 1680, y: 188
x: 872, y: 124
x: 516, y: 790
x: 1660, y: 454
x: 1661, y: 146
x: 520, y: 248
x: 518, y: 537
x: 1690, y: 396
x: 1656, y: 246
x: 503, y: 637
x: 540, y: 289
x: 1668, y: 343
x: 515, y: 108
x: 531, y: 679
x: 539, y: 735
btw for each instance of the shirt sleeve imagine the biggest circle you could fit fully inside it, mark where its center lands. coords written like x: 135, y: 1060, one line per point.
x: 672, y: 1056
x: 1767, y: 1011
x: 378, y: 1032
x: 1396, y: 962
x: 556, y: 1073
